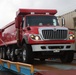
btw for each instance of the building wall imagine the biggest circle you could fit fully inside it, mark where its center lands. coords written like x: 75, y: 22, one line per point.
x: 69, y: 19
x: 70, y: 22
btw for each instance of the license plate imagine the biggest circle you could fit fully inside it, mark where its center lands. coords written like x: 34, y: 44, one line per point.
x: 56, y: 50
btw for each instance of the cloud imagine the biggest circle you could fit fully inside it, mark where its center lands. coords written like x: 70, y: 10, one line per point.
x: 8, y: 8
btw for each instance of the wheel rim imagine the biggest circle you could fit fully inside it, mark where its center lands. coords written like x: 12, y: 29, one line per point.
x: 8, y: 53
x: 24, y: 55
x: 11, y: 55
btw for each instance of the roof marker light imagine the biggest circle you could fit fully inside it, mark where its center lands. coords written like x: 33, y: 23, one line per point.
x: 32, y: 12
x: 47, y: 13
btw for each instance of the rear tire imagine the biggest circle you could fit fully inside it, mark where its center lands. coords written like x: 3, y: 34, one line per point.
x: 4, y: 53
x: 27, y: 55
x: 8, y: 52
x: 13, y: 57
x: 67, y: 57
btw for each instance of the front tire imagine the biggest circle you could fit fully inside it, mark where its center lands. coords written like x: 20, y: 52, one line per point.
x: 67, y: 57
x: 27, y: 55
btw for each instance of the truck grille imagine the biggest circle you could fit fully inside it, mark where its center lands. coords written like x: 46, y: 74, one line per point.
x: 51, y: 34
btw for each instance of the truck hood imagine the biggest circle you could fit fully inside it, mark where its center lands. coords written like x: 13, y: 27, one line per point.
x: 36, y: 29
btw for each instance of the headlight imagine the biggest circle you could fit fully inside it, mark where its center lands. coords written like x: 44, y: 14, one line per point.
x: 71, y: 36
x: 35, y: 37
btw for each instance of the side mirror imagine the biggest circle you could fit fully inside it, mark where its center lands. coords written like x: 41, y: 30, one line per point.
x: 28, y: 28
x: 63, y: 21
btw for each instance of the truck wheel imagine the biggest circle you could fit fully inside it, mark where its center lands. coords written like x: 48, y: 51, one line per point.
x: 67, y: 57
x: 4, y: 53
x: 8, y: 53
x: 12, y: 54
x: 27, y: 54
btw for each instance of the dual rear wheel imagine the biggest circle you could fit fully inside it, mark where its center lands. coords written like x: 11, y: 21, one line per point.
x: 3, y: 53
x: 26, y: 54
x: 7, y: 53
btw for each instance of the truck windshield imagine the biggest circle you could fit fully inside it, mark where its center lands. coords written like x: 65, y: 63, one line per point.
x: 41, y: 20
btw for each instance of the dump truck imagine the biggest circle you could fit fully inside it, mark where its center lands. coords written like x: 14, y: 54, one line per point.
x: 36, y: 34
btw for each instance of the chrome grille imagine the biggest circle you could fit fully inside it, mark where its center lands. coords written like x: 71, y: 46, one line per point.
x: 51, y: 34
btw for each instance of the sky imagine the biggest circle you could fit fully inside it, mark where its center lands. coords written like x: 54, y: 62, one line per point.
x: 8, y: 8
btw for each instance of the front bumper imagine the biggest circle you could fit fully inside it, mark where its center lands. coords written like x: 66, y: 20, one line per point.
x: 53, y: 47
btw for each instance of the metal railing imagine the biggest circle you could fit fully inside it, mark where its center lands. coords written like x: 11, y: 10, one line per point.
x: 10, y: 65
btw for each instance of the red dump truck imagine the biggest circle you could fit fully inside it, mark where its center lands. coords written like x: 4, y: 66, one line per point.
x: 35, y: 33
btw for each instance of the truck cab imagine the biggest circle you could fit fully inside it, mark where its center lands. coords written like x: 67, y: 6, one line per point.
x: 43, y: 38
x: 36, y: 34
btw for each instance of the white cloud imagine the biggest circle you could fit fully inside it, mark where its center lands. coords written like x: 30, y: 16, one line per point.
x: 8, y: 8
